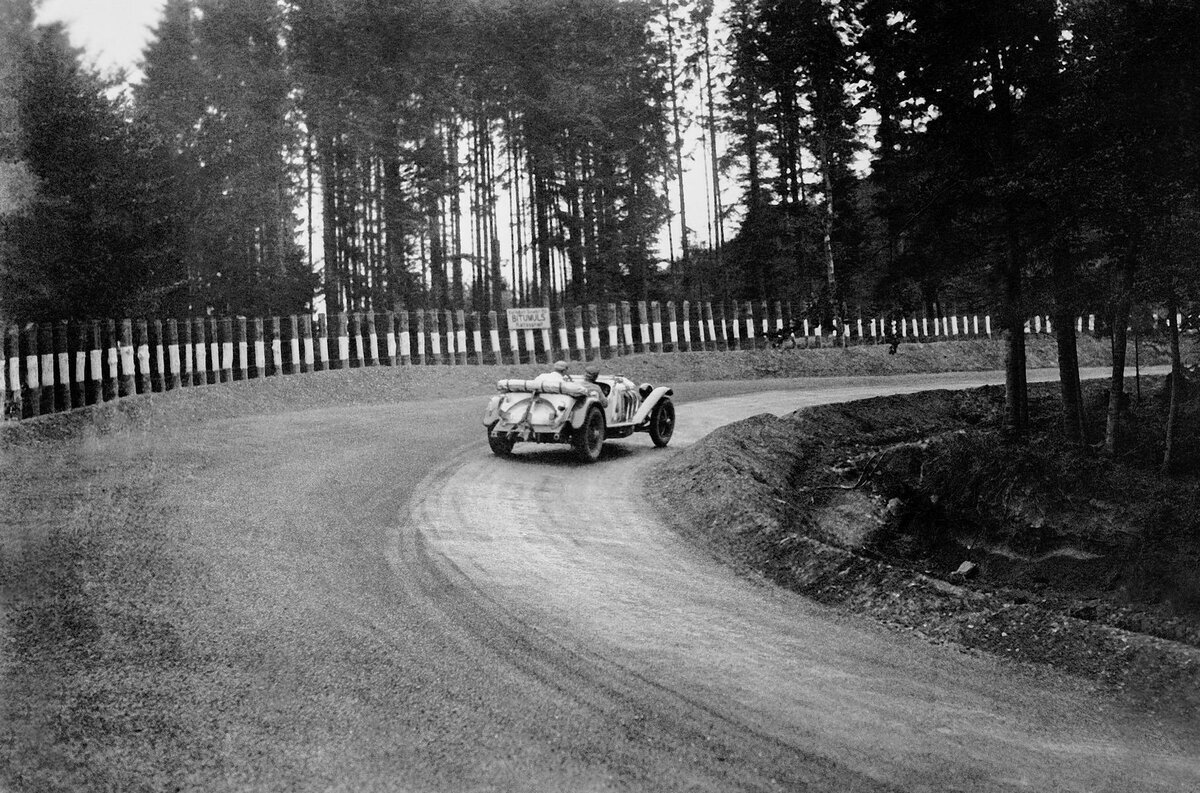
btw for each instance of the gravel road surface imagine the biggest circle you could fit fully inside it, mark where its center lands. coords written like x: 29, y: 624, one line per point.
x: 369, y: 600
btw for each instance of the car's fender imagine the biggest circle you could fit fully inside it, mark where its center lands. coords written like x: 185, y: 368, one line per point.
x: 580, y: 411
x: 649, y: 402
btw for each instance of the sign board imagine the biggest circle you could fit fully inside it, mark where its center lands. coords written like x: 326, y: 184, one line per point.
x: 528, y: 318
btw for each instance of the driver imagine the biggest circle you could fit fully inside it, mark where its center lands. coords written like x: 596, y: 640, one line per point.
x: 591, y: 374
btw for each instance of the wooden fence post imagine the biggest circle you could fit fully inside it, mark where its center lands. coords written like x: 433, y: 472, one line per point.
x: 45, y: 363
x: 62, y: 386
x: 577, y: 326
x: 673, y: 326
x: 477, y: 336
x: 224, y: 328
x: 12, y: 363
x: 257, y: 366
x: 32, y: 385
x: 242, y: 337
x: 308, y: 358
x: 141, y: 346
x: 184, y: 329
x: 292, y: 328
x: 435, y: 337
x: 460, y: 325
x: 750, y: 342
x: 420, y: 356
x: 158, y: 370
x: 275, y: 357
x: 80, y: 382
x: 173, y: 378
x: 322, y: 329
x: 593, y: 320
x: 214, y: 352
x: 656, y: 334
x: 494, y: 337
x: 199, y: 355
x: 126, y: 385
x: 405, y: 337
x: 389, y: 337
x: 372, y: 340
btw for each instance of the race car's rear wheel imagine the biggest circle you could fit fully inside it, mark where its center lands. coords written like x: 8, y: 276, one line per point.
x: 662, y: 422
x: 589, y: 438
x: 502, y: 445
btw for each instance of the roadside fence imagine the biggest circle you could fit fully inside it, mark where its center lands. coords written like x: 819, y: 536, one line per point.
x: 55, y: 367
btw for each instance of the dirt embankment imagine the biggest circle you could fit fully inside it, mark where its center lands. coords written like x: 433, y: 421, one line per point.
x: 914, y: 510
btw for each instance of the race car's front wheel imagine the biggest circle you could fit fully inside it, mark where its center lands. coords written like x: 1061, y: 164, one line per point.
x: 662, y: 422
x: 502, y: 445
x: 589, y: 438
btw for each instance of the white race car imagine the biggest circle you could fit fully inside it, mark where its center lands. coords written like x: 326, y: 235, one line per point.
x: 557, y: 408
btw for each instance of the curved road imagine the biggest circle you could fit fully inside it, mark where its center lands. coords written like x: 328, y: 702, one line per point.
x: 374, y: 602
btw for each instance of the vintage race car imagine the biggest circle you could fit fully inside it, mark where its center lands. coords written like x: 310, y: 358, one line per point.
x: 556, y: 408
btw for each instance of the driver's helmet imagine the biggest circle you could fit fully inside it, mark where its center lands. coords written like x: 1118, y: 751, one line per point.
x: 592, y: 371
x: 560, y: 367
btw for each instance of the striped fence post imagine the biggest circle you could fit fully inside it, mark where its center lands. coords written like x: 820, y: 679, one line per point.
x: 514, y: 343
x: 531, y: 346
x: 225, y: 336
x: 420, y: 336
x: 435, y: 337
x: 184, y: 333
x: 656, y: 334
x: 214, y: 351
x: 338, y: 333
x: 686, y: 314
x: 643, y: 344
x: 141, y: 346
x: 3, y: 372
x: 199, y: 352
x: 308, y: 354
x: 31, y: 397
x: 593, y: 321
x: 322, y: 360
x: 241, y: 337
x: 275, y: 359
x: 126, y: 385
x: 12, y: 365
x: 611, y: 323
x: 564, y: 338
x: 450, y: 333
x: 45, y: 362
x: 12, y: 360
x: 494, y: 337
x: 389, y: 336
x: 94, y: 392
x: 404, y: 337
x: 158, y: 369
x: 627, y: 346
x: 710, y: 326
x: 476, y: 327
x: 340, y: 330
x: 292, y: 328
x: 372, y: 345
x: 354, y: 334
x: 258, y: 366
x: 735, y: 333
x: 580, y: 336
x: 750, y: 331
x: 460, y: 334
x: 672, y: 326
x: 722, y: 327
x: 79, y: 383
x: 62, y: 388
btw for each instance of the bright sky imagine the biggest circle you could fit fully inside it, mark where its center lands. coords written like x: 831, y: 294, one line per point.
x: 111, y: 32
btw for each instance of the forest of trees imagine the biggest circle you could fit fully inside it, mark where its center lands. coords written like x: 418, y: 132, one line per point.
x: 910, y: 155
